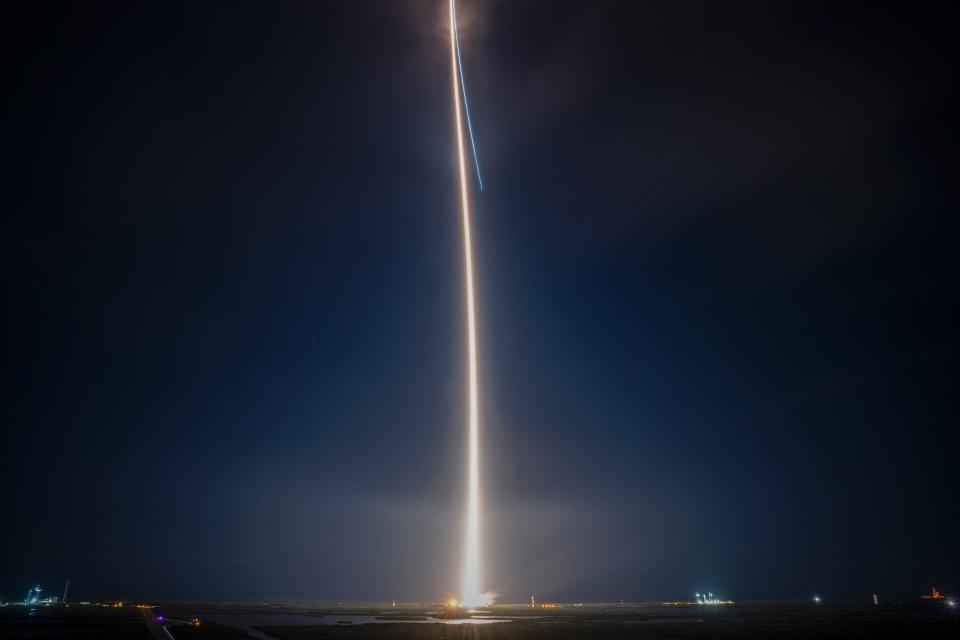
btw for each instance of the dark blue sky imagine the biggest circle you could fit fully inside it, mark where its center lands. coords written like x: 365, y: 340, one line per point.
x: 717, y: 293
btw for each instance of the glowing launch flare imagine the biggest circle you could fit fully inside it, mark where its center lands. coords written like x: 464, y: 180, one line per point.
x: 471, y: 594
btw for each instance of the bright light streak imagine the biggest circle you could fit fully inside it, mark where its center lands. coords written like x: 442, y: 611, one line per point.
x: 471, y: 594
x: 463, y: 87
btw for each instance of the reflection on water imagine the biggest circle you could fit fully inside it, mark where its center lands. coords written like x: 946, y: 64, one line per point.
x: 246, y: 620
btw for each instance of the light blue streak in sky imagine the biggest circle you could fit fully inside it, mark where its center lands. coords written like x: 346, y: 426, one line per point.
x: 466, y: 106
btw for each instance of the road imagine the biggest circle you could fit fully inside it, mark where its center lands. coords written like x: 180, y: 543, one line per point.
x: 157, y: 631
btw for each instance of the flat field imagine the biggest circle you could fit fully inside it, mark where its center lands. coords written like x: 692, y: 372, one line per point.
x: 224, y: 621
x: 749, y: 620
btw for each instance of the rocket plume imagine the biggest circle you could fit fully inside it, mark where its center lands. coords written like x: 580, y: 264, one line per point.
x: 471, y: 594
x: 466, y: 102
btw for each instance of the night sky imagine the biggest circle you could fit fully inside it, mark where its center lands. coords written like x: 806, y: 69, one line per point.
x: 719, y: 316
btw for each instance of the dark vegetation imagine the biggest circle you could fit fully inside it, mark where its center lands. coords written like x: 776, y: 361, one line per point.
x: 208, y: 631
x: 764, y: 620
x: 69, y: 623
x: 788, y: 619
x: 652, y: 629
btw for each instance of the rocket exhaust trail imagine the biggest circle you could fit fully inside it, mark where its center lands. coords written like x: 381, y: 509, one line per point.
x: 466, y: 103
x: 471, y: 593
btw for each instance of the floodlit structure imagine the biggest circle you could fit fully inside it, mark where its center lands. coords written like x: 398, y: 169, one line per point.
x: 709, y: 598
x: 699, y: 599
x: 33, y: 597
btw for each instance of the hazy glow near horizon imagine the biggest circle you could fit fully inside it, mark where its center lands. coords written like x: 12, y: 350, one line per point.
x: 471, y: 593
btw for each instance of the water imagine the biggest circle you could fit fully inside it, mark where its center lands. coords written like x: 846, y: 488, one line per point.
x: 246, y: 620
